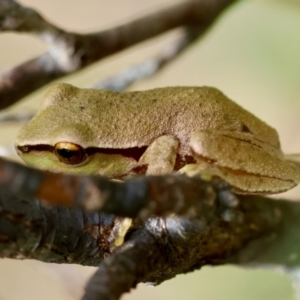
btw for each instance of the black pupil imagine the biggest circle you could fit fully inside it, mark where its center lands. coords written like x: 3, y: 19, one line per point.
x: 70, y: 156
x: 67, y: 153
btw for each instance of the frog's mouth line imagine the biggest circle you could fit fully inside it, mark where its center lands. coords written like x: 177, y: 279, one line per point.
x: 134, y: 152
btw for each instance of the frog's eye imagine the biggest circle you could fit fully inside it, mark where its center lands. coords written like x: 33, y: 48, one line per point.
x: 69, y: 153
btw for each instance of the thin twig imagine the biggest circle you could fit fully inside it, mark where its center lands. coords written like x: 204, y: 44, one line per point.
x: 124, y: 79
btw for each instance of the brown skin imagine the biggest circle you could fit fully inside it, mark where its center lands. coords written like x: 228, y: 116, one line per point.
x: 187, y: 129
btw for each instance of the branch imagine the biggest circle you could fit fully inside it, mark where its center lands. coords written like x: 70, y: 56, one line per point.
x: 144, y: 197
x: 222, y: 227
x: 220, y: 224
x: 69, y: 52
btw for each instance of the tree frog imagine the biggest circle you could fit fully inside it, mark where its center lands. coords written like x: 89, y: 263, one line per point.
x: 192, y: 130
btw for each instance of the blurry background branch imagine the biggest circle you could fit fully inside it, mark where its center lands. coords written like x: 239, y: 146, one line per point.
x: 124, y: 79
x: 69, y: 52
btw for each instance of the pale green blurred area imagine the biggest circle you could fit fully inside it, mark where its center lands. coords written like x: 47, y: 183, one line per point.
x: 252, y: 54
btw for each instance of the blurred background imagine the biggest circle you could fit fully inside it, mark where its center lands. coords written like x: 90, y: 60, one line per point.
x: 251, y: 54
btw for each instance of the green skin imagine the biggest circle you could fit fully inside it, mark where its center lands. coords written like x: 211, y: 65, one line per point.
x: 192, y: 130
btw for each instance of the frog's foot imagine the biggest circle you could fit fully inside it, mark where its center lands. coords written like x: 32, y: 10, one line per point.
x: 206, y: 171
x: 160, y: 156
x: 202, y: 169
x: 241, y: 161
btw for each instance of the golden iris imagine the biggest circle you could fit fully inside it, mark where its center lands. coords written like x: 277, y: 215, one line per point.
x: 69, y: 153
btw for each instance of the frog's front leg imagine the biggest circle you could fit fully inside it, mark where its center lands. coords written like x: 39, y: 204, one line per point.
x: 249, y: 165
x: 160, y: 156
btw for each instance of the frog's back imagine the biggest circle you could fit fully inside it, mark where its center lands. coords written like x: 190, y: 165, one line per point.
x: 183, y: 110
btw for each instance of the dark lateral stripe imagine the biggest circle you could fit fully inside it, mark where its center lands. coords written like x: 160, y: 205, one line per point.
x: 134, y: 152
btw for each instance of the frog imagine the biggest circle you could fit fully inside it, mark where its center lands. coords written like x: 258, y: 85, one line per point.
x: 196, y: 131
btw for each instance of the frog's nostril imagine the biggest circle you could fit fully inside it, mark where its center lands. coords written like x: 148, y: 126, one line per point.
x: 22, y: 149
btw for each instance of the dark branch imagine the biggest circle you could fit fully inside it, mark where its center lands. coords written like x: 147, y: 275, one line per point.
x: 221, y: 228
x: 70, y: 52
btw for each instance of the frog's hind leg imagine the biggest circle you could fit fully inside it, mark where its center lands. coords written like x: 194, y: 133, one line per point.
x: 247, y: 164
